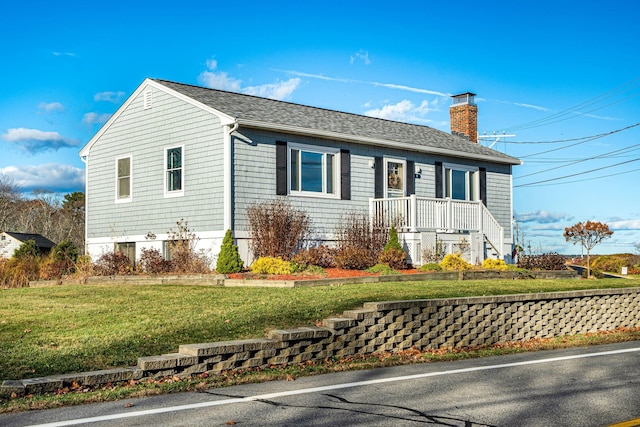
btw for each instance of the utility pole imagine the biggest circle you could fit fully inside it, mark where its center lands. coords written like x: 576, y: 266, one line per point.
x: 496, y: 137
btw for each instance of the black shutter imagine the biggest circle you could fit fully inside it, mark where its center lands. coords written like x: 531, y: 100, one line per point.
x: 345, y: 175
x: 281, y: 168
x: 483, y: 185
x: 439, y: 176
x: 379, y: 178
x: 410, y: 188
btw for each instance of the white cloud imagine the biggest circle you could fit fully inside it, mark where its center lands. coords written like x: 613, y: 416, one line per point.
x: 95, y: 118
x: 37, y: 141
x: 278, y: 90
x: 212, y: 78
x: 51, y: 107
x: 542, y: 217
x: 362, y: 55
x: 64, y: 54
x: 535, y: 107
x: 218, y: 79
x: 114, y: 97
x: 403, y: 111
x: 51, y: 176
x: 628, y: 224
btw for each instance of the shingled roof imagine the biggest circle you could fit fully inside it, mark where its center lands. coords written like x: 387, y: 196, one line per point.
x: 253, y: 111
x: 41, y: 241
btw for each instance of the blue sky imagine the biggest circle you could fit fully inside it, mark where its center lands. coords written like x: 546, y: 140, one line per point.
x: 562, y: 76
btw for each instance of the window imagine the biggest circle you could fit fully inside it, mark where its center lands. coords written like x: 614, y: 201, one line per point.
x: 123, y: 179
x: 174, y: 176
x: 128, y: 249
x: 313, y: 170
x: 395, y: 178
x: 460, y: 182
x: 168, y: 249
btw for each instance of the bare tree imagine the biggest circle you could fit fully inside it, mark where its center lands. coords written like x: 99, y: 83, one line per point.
x: 10, y: 198
x: 588, y: 234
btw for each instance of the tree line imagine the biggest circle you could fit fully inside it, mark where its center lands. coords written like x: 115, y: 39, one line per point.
x: 53, y: 215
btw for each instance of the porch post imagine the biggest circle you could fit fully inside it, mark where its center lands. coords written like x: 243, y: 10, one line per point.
x: 371, y: 211
x: 480, y: 207
x: 449, y: 213
x: 413, y: 225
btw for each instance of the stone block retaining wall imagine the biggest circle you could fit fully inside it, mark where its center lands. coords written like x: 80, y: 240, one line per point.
x: 383, y: 326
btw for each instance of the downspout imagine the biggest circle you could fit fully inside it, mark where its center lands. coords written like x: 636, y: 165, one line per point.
x: 227, y: 170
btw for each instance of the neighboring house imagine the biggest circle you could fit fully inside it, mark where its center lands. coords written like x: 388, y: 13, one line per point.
x: 10, y: 241
x: 174, y: 151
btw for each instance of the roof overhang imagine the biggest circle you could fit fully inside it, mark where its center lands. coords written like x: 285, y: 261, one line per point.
x: 255, y: 124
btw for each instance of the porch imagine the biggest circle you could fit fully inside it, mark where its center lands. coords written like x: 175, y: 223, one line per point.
x: 415, y: 215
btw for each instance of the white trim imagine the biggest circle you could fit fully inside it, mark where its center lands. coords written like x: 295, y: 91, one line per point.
x: 174, y: 193
x: 336, y: 170
x: 227, y: 176
x: 119, y: 199
x: 465, y: 168
x: 374, y: 141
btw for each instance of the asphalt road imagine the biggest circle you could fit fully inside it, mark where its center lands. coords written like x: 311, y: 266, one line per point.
x: 595, y: 386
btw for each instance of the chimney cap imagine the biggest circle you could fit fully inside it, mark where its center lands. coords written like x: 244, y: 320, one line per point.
x: 463, y: 98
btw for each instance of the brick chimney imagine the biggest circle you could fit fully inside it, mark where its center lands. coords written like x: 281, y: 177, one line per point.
x: 464, y: 116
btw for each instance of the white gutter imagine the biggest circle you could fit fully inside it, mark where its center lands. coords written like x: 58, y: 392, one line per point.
x: 227, y: 173
x: 375, y: 141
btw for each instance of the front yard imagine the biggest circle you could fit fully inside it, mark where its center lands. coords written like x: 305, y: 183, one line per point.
x: 74, y: 328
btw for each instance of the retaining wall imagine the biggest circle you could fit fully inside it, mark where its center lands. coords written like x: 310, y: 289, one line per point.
x: 383, y: 326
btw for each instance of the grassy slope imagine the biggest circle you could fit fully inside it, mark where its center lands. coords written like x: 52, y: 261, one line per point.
x: 68, y: 328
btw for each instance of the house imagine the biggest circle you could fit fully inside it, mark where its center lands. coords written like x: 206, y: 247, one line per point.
x: 174, y: 151
x: 10, y: 241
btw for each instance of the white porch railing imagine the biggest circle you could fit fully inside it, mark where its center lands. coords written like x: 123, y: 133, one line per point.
x: 415, y: 214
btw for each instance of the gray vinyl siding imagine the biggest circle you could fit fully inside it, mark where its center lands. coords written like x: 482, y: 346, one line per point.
x: 145, y: 134
x: 255, y: 182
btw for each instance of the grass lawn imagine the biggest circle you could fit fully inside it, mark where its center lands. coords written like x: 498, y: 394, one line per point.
x: 73, y: 328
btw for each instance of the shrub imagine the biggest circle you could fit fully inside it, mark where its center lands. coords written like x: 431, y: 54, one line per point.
x: 453, y: 262
x: 65, y: 251
x: 359, y: 241
x: 84, y: 268
x: 611, y: 263
x: 431, y: 266
x: 353, y: 258
x: 60, y: 262
x: 383, y: 269
x: 277, y: 229
x: 271, y: 265
x: 229, y: 260
x: 322, y: 256
x: 494, y: 264
x: 26, y: 250
x: 433, y: 255
x: 184, y: 256
x: 152, y: 262
x: 394, y: 258
x: 393, y: 242
x: 18, y: 272
x: 113, y: 264
x: 547, y: 261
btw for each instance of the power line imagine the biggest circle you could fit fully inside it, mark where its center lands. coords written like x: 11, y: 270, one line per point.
x: 586, y: 179
x: 575, y: 111
x: 604, y: 155
x: 601, y: 135
x: 574, y: 174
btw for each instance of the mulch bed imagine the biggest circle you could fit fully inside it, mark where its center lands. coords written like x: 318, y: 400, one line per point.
x: 329, y: 273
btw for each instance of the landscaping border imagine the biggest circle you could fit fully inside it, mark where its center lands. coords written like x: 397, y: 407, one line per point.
x: 380, y: 326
